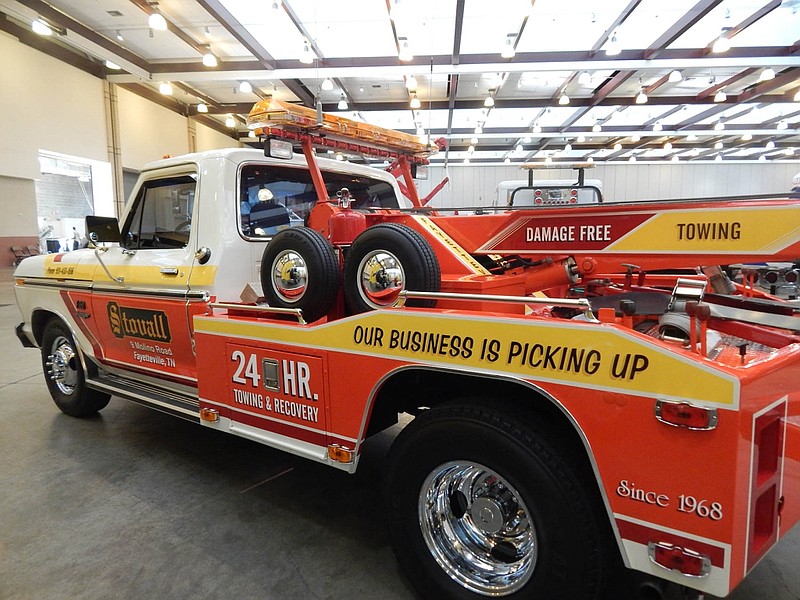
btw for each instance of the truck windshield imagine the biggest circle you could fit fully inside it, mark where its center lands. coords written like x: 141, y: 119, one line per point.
x: 293, y: 196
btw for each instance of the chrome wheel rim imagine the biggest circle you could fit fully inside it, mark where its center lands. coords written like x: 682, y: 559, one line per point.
x: 289, y: 276
x: 62, y: 365
x: 477, y: 528
x: 381, y: 279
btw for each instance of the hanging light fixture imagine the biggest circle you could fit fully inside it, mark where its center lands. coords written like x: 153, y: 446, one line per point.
x: 112, y: 65
x: 797, y: 96
x: 719, y: 125
x: 597, y: 128
x: 720, y: 96
x: 641, y: 97
x: 580, y: 139
x: 612, y: 46
x: 251, y: 134
x: 326, y: 84
x: 474, y: 141
x: 617, y: 147
x: 632, y: 159
x: 305, y: 56
x: 590, y: 159
x: 342, y: 103
x: 563, y: 100
x: 536, y: 127
x: 471, y: 149
x: 782, y: 124
x: 718, y: 158
x: 770, y: 145
x: 675, y: 158
x: 692, y: 137
x: 230, y: 121
x: 746, y: 137
x: 405, y: 53
x: 156, y: 20
x: 635, y: 137
x: 508, y: 49
x: 202, y: 107
x: 667, y: 145
x: 519, y: 148
x: 567, y: 147
x: 767, y: 74
x: 489, y: 101
x: 657, y: 126
x: 584, y: 78
x: 165, y: 88
x: 548, y: 159
x: 245, y: 87
x: 209, y: 60
x: 119, y: 36
x: 415, y: 103
x: 506, y: 160
x: 478, y: 130
x: 411, y: 82
x: 722, y: 43
x: 675, y: 76
x: 40, y: 27
x: 718, y: 146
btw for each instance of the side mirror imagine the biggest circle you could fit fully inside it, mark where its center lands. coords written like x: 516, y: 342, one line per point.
x: 102, y: 229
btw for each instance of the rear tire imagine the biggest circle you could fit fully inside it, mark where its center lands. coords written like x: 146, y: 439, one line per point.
x: 481, y: 505
x: 64, y: 373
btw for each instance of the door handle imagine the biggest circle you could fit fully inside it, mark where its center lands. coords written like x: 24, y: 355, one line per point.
x: 172, y: 271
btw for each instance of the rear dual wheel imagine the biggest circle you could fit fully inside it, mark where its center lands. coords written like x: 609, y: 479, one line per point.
x: 481, y: 505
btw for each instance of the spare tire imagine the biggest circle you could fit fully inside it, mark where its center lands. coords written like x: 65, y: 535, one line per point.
x: 299, y: 269
x: 384, y: 260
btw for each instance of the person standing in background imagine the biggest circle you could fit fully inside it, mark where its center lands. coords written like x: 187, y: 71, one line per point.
x: 76, y: 239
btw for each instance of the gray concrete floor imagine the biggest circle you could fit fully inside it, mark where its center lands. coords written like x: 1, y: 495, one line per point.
x: 134, y: 504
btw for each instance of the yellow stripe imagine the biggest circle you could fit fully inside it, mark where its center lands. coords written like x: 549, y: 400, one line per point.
x: 449, y: 243
x: 758, y: 230
x: 594, y: 356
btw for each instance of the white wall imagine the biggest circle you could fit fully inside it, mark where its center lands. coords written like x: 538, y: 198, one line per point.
x: 473, y: 185
x: 46, y: 104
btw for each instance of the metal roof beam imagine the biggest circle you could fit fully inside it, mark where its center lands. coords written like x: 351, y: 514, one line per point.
x: 681, y: 26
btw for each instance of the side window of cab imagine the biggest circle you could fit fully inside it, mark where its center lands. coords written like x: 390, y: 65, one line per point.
x: 162, y: 214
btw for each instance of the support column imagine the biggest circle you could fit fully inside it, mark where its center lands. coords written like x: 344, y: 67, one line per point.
x: 113, y: 142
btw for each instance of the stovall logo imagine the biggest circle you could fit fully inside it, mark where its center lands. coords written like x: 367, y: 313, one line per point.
x: 139, y: 323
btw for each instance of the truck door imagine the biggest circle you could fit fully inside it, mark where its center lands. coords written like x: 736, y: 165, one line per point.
x: 141, y: 297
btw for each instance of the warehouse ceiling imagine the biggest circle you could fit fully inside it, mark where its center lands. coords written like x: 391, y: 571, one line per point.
x: 588, y: 80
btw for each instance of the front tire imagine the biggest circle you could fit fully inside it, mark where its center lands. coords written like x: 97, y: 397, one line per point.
x: 481, y: 505
x: 64, y: 373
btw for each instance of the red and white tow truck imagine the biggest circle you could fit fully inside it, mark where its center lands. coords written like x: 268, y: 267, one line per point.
x: 587, y: 385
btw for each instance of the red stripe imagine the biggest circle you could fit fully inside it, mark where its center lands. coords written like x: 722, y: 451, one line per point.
x: 642, y: 535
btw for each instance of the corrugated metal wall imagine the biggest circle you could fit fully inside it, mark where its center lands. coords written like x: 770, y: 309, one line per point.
x: 472, y: 185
